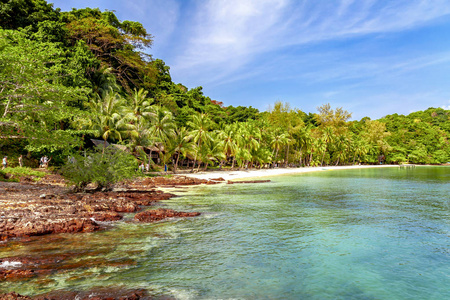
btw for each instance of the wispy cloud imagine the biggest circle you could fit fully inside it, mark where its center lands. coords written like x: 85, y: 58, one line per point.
x: 446, y: 107
x: 229, y: 35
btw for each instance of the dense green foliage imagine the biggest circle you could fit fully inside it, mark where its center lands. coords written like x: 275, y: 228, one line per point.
x: 102, y: 167
x: 67, y: 77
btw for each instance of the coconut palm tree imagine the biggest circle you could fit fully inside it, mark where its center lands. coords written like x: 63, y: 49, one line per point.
x: 199, y: 124
x: 162, y: 126
x: 139, y: 105
x: 251, y: 136
x: 108, y: 119
x: 278, y: 140
x: 327, y: 138
x: 181, y: 144
x: 228, y: 137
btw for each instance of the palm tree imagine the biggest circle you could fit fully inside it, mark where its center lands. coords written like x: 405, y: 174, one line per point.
x: 199, y: 124
x: 140, y: 105
x: 104, y: 81
x: 108, y: 119
x: 162, y: 126
x: 181, y: 144
x: 211, y: 150
x: 360, y: 148
x: 250, y: 139
x: 228, y: 138
x: 278, y: 140
x: 342, y: 145
x: 322, y: 148
x: 327, y: 137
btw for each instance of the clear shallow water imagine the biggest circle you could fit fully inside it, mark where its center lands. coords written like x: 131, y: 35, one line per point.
x: 354, y: 234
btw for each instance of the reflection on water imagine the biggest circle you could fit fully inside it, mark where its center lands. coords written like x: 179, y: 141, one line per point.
x: 355, y: 234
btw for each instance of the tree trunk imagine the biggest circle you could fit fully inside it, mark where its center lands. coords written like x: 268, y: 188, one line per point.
x: 275, y: 160
x: 150, y: 159
x: 287, y: 157
x: 175, y: 166
x: 193, y: 165
x: 7, y: 107
x: 300, y: 160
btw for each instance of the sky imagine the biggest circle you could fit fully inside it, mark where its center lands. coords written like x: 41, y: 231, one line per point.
x: 372, y: 58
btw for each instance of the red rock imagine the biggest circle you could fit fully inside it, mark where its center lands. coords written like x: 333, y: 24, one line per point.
x: 13, y: 296
x: 247, y: 181
x: 161, y: 214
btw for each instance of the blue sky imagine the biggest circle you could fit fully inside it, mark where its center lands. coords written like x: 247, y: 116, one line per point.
x: 370, y: 57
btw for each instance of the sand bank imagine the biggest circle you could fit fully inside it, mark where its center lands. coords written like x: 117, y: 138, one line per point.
x: 235, y: 175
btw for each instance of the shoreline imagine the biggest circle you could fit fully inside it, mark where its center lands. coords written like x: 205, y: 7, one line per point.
x: 246, y: 174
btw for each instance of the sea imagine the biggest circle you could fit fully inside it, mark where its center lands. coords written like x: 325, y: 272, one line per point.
x: 372, y: 233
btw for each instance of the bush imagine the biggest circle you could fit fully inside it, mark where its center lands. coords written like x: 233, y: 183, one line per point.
x: 20, y: 172
x: 102, y: 167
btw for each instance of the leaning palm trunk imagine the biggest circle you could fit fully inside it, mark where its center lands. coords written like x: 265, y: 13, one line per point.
x: 150, y: 159
x: 300, y: 160
x: 193, y: 165
x: 287, y: 157
x: 323, y: 156
x: 175, y: 166
x: 275, y: 160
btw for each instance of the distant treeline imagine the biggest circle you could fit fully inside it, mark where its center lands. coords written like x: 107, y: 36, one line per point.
x: 68, y: 77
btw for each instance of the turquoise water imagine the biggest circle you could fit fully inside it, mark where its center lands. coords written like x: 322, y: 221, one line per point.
x: 353, y: 234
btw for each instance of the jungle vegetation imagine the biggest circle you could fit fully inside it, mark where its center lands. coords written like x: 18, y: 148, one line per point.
x: 68, y: 77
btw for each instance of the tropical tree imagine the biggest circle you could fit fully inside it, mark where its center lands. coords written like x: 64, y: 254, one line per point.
x: 199, y: 124
x: 228, y: 137
x: 139, y: 106
x: 210, y: 151
x: 181, y: 144
x: 279, y: 139
x: 35, y: 104
x: 107, y: 118
x: 162, y: 126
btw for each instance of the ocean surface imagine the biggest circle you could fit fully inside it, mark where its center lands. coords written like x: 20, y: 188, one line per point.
x: 338, y: 234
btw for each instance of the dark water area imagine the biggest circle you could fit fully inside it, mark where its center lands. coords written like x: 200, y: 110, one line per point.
x: 347, y: 234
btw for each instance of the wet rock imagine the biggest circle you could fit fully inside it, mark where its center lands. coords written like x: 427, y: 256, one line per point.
x: 100, y: 294
x: 25, y: 227
x: 161, y: 214
x: 247, y: 181
x: 175, y: 181
x: 106, y: 216
x: 13, y: 296
x: 36, y: 209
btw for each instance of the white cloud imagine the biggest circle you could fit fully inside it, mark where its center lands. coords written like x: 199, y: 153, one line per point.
x: 229, y: 35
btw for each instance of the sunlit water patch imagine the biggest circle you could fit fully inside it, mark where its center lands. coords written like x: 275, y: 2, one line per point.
x: 355, y: 234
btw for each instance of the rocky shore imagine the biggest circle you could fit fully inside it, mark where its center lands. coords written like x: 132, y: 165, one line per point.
x: 34, y: 209
x: 37, y: 209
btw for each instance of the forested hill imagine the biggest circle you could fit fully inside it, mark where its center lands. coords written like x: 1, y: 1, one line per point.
x: 70, y: 76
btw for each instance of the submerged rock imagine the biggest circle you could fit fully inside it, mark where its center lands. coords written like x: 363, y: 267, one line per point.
x: 176, y: 181
x: 161, y: 214
x: 26, y: 227
x: 247, y: 181
x: 110, y: 293
x: 33, y: 210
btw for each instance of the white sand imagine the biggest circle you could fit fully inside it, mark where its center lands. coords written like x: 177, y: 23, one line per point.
x: 235, y: 175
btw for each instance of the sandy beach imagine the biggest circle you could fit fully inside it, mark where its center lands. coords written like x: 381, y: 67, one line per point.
x: 241, y: 174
